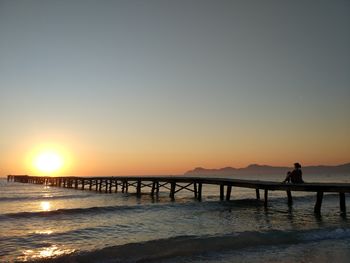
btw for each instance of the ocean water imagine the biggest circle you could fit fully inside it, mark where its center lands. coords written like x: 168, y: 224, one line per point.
x: 39, y: 223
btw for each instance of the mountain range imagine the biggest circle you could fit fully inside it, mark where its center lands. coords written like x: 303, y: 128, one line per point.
x: 256, y: 169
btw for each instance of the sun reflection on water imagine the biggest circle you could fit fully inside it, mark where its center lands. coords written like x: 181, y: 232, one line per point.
x: 46, y: 252
x: 45, y: 206
x: 44, y: 232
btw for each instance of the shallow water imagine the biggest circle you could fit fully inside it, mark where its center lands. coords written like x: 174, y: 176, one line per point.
x: 38, y: 222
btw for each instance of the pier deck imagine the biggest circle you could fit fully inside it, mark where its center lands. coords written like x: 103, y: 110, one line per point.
x: 174, y: 184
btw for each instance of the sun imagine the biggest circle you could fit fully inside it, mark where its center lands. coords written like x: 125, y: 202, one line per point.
x: 48, y: 161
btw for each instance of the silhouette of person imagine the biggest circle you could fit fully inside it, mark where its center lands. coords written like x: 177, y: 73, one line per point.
x: 295, y: 176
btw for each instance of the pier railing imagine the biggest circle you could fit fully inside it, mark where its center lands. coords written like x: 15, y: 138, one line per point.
x: 175, y: 184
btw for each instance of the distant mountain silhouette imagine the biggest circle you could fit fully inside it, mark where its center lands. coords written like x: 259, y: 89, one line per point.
x: 256, y: 169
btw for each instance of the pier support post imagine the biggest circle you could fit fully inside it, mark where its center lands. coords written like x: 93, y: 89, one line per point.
x: 342, y: 203
x: 290, y: 198
x: 319, y: 197
x: 106, y: 185
x: 138, y: 188
x: 222, y: 189
x: 153, y: 188
x: 195, y: 190
x: 257, y: 192
x: 123, y: 187
x: 116, y: 185
x: 172, y: 190
x: 90, y: 184
x: 228, y: 192
x: 82, y: 184
x: 110, y: 186
x: 126, y: 186
x: 199, y: 194
x: 157, y: 188
x: 266, y: 195
x: 100, y: 185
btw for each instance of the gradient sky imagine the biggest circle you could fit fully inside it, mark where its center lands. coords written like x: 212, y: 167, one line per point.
x: 161, y: 87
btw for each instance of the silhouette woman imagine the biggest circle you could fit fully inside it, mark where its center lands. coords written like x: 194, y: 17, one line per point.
x: 295, y: 176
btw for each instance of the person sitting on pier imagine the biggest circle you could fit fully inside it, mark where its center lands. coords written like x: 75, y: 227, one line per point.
x: 295, y: 176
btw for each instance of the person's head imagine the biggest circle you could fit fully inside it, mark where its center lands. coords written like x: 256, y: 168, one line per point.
x: 289, y: 173
x: 297, y: 166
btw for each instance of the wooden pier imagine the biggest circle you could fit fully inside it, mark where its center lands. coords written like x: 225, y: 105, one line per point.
x: 175, y: 184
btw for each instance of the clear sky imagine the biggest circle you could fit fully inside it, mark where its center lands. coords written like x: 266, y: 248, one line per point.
x: 161, y: 87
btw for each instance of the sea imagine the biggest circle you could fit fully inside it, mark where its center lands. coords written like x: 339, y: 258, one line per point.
x: 41, y: 223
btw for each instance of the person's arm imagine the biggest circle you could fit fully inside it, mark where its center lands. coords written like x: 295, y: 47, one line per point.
x: 287, y: 177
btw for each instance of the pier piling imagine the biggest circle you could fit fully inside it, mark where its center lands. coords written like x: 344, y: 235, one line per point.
x: 318, y: 204
x: 257, y: 192
x: 153, y: 188
x: 266, y: 194
x: 228, y: 192
x: 138, y: 188
x: 342, y: 203
x: 199, y: 194
x: 195, y: 190
x: 172, y: 190
x: 290, y: 198
x: 222, y: 193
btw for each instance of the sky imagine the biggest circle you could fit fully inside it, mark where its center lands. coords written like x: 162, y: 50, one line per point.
x: 161, y: 87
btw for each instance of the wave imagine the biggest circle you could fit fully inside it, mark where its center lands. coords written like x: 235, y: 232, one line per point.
x: 72, y: 211
x: 185, y: 246
x: 109, y: 209
x: 95, y: 210
x: 46, y: 237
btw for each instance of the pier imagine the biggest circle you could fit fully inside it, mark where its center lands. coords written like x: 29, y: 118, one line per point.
x: 175, y: 184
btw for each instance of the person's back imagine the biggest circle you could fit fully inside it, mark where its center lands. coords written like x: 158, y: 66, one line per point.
x: 296, y: 176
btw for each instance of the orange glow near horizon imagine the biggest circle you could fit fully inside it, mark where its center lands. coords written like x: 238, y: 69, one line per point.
x: 80, y: 155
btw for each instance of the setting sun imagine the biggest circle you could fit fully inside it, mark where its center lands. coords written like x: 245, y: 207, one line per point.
x: 48, y: 162
x: 49, y: 158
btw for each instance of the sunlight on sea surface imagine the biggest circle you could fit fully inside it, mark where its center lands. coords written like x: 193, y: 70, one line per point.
x: 43, y: 232
x: 46, y: 252
x: 45, y: 206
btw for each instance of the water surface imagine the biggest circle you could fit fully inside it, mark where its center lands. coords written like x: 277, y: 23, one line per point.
x: 38, y: 221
